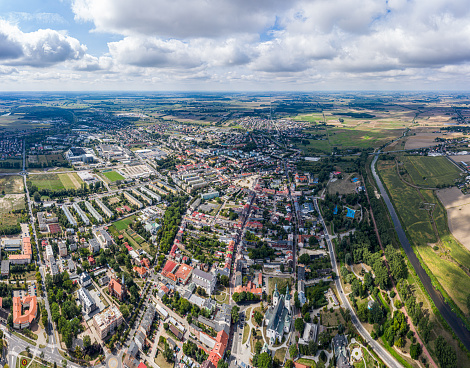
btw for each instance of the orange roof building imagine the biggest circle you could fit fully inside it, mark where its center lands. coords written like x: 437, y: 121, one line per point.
x: 145, y: 262
x: 219, y: 348
x: 142, y: 271
x: 24, y: 311
x: 116, y: 289
x: 183, y: 273
x: 249, y: 288
x: 25, y: 257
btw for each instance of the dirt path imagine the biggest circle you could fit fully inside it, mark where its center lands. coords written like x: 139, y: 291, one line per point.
x: 403, y: 309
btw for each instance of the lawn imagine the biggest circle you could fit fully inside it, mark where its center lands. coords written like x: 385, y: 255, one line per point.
x: 11, y: 184
x: 70, y: 180
x: 221, y: 295
x: 47, y: 181
x: 113, y: 176
x: 308, y: 362
x: 246, y: 332
x: 280, y: 354
x: 431, y: 171
x: 124, y: 223
x: 161, y: 361
x: 281, y: 284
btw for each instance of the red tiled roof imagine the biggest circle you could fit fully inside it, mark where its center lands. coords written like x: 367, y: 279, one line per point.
x: 169, y: 266
x: 18, y: 316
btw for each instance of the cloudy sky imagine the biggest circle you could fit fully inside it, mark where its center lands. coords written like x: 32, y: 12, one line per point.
x: 234, y: 45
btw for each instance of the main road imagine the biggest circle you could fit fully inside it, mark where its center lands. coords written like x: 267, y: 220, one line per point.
x: 445, y: 309
x: 381, y: 352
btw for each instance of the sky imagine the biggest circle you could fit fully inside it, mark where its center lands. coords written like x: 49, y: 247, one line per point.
x: 234, y: 45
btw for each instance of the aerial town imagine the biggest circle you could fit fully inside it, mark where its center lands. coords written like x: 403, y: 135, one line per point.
x: 260, y: 238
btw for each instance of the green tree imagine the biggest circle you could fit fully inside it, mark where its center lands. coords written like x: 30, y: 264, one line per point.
x: 293, y: 351
x: 168, y: 353
x: 37, y: 197
x: 86, y: 341
x: 376, y: 313
x: 124, y: 309
x: 381, y: 274
x: 299, y: 325
x: 265, y: 360
x: 397, y: 263
x: 222, y: 364
x: 415, y: 351
x: 224, y: 280
x: 258, y: 317
x: 235, y: 313
x: 258, y: 347
x: 445, y: 353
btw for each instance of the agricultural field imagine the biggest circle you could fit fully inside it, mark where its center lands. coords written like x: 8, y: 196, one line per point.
x: 113, y: 176
x: 11, y: 184
x: 56, y: 182
x: 361, y: 136
x: 13, y: 122
x: 70, y: 180
x: 440, y: 251
x: 457, y: 205
x: 46, y: 160
x: 431, y: 172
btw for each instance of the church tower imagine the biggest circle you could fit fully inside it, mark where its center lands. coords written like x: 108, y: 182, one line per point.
x: 288, y: 299
x: 275, y: 296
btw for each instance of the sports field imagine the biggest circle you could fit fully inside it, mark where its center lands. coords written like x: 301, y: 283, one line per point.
x: 123, y: 224
x: 113, y: 176
x: 56, y: 181
x: 431, y: 171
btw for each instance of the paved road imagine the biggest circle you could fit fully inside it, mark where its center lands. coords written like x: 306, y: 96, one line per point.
x: 381, y: 352
x: 446, y: 311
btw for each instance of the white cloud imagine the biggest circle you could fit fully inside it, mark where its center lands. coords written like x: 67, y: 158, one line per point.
x: 180, y: 18
x: 260, y: 43
x: 41, y: 48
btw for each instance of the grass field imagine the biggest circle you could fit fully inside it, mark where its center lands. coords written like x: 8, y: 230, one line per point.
x: 448, y: 274
x: 161, y: 361
x: 124, y: 223
x: 362, y: 136
x: 47, y: 181
x: 408, y: 202
x: 113, y: 176
x: 281, y: 284
x: 307, y: 362
x: 12, y: 184
x: 431, y: 171
x: 70, y: 180
x: 418, y: 225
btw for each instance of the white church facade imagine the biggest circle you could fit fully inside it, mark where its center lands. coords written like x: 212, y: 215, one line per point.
x: 279, y: 316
